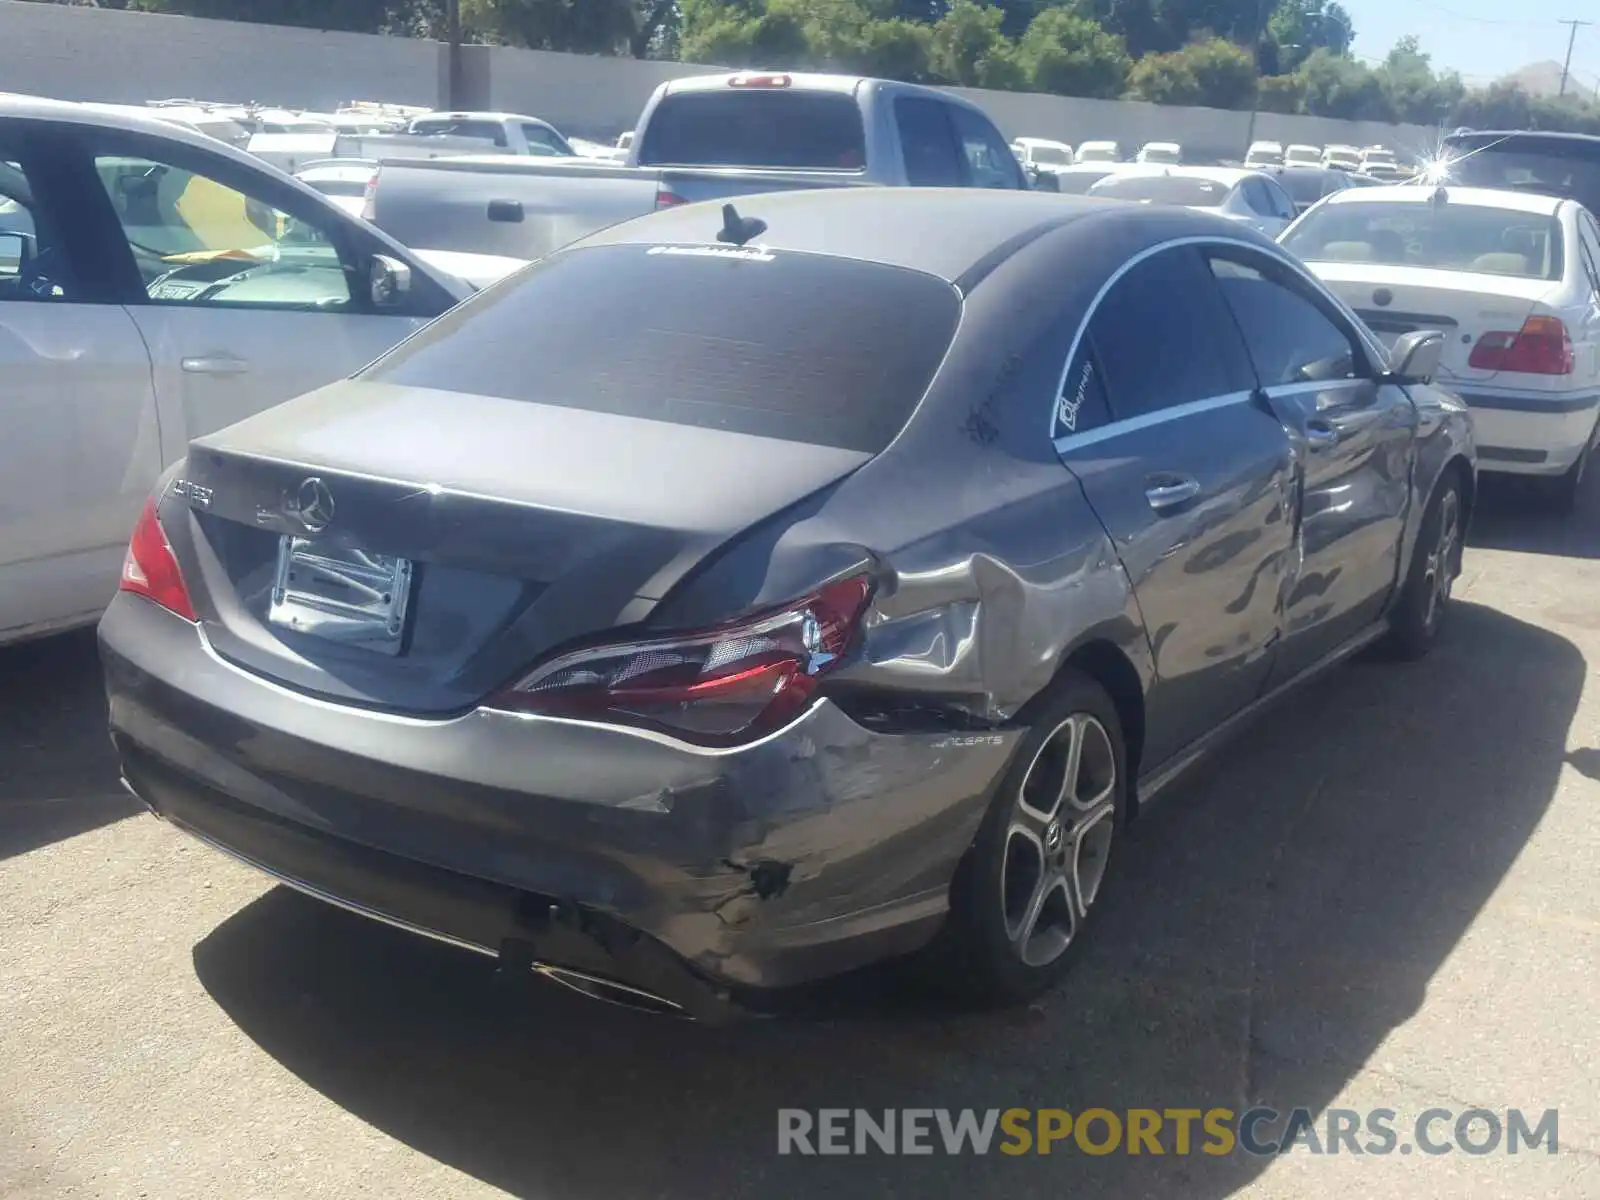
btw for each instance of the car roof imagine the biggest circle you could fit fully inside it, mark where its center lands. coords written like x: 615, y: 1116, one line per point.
x: 1414, y: 193
x: 1038, y: 141
x: 14, y: 106
x: 950, y: 233
x: 1230, y: 176
x: 1526, y: 137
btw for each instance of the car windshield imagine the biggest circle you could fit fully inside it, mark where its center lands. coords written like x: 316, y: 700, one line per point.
x: 1547, y: 166
x: 740, y: 127
x: 805, y: 347
x: 1097, y: 154
x: 1049, y: 154
x: 1440, y: 237
x: 1165, y: 189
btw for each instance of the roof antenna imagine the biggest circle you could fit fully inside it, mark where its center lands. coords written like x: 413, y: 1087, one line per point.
x: 737, y: 230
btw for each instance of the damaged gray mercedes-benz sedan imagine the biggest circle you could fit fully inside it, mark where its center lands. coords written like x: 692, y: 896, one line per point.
x: 738, y: 597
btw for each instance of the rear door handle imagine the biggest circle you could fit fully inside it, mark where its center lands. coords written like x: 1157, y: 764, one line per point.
x: 1169, y: 491
x: 215, y: 364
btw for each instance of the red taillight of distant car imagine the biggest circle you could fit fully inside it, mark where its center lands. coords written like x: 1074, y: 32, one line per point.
x: 150, y: 569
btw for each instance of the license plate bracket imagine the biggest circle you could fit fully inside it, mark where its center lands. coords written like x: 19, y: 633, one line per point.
x: 341, y: 594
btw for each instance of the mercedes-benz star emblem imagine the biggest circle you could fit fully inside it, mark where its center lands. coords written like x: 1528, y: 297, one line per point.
x: 1052, y: 837
x: 313, y: 505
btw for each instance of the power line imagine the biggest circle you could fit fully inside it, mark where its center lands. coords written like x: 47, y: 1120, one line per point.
x: 1566, y: 67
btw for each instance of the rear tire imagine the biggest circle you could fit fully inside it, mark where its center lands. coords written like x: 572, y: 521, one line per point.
x: 1024, y: 891
x: 1562, y: 492
x: 1424, y: 602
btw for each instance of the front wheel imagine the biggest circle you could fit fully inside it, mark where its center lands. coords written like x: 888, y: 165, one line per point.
x: 1425, y: 599
x: 1023, y: 895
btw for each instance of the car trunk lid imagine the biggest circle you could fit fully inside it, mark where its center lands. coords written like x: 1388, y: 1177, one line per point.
x: 1464, y: 305
x: 521, y: 526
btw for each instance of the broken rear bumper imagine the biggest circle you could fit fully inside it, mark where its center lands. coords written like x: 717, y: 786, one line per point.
x: 708, y: 879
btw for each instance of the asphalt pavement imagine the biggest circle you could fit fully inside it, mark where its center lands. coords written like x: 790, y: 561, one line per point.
x: 1382, y: 896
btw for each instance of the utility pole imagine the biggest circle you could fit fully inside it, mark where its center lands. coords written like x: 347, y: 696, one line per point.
x: 455, y: 88
x: 1566, y: 67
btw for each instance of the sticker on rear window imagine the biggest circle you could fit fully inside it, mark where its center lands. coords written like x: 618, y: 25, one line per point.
x: 743, y: 253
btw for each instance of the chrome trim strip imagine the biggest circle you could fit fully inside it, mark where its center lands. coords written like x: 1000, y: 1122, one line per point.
x: 1315, y: 385
x: 585, y: 984
x: 1161, y: 416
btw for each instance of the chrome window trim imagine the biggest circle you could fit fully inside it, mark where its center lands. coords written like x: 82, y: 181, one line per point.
x: 1314, y: 385
x: 1161, y: 416
x: 1376, y: 354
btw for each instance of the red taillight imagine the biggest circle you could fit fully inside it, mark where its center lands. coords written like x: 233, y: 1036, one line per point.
x: 666, y: 198
x: 1541, y: 347
x: 714, y: 686
x: 753, y: 79
x: 151, y: 571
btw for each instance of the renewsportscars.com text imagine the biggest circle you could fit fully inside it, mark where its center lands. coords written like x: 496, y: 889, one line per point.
x: 1179, y: 1131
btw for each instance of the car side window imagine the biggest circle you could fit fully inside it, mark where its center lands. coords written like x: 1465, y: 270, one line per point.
x: 1163, y: 338
x: 1282, y: 204
x: 198, y: 242
x: 928, y: 143
x: 1257, y: 197
x: 989, y: 160
x: 1290, y: 337
x: 1082, y: 404
x: 1589, y: 248
x: 33, y: 259
x: 541, y: 140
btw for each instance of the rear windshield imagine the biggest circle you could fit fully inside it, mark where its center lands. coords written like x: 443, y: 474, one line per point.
x: 1554, y: 168
x: 1442, y: 237
x: 1078, y: 182
x: 804, y: 347
x: 1307, y: 187
x: 1165, y: 189
x: 338, y: 187
x: 1049, y: 154
x: 744, y: 128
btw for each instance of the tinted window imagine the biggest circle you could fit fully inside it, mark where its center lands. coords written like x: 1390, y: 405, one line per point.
x: 1307, y: 187
x: 989, y: 160
x: 1163, y: 339
x: 1550, y: 166
x: 805, y: 347
x: 928, y: 143
x: 1278, y: 200
x: 1082, y: 405
x: 1164, y: 189
x: 1078, y: 182
x: 1290, y: 339
x: 1443, y: 237
x: 1257, y: 197
x: 1054, y: 155
x: 491, y: 131
x: 742, y: 127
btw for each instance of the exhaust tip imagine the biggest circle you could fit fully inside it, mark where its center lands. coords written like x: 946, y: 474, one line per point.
x: 609, y: 991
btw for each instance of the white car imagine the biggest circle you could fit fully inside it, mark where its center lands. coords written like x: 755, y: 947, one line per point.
x: 1160, y: 152
x: 1343, y: 158
x: 155, y: 285
x: 1380, y: 163
x: 1264, y: 154
x: 1250, y: 197
x: 1512, y: 278
x: 1301, y: 155
x: 1042, y: 152
x: 1099, y: 152
x: 342, y: 180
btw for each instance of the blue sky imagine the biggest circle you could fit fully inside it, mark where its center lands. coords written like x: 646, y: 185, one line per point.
x: 1483, y: 39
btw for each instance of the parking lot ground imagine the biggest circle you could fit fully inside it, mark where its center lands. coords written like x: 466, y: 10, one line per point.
x: 1384, y: 895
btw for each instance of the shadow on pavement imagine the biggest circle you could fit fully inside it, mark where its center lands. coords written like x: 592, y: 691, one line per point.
x: 58, y: 775
x: 1512, y: 515
x: 1273, y: 922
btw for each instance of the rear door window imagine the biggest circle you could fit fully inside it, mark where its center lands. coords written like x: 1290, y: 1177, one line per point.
x: 745, y: 127
x: 928, y: 143
x: 805, y: 347
x: 1164, y: 339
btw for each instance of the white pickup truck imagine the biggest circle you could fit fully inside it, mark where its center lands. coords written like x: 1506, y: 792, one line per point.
x: 700, y: 138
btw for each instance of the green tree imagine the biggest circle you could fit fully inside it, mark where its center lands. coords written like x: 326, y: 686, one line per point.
x: 1296, y: 28
x: 577, y: 26
x: 1071, y: 55
x: 1341, y: 87
x: 1281, y: 94
x: 1213, y: 73
x: 968, y: 48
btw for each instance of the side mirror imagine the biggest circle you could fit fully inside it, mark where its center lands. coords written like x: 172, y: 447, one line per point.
x: 1415, y: 357
x: 389, y: 281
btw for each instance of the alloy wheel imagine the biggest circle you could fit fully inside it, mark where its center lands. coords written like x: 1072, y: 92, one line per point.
x: 1439, y: 570
x: 1059, y: 839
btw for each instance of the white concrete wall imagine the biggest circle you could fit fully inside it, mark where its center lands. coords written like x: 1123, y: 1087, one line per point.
x: 78, y: 53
